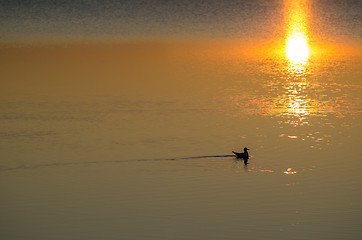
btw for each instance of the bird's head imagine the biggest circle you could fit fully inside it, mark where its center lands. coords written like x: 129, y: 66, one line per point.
x: 245, y: 149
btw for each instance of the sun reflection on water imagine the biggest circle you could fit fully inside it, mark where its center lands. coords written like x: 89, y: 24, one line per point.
x: 297, y: 49
x: 297, y: 54
x: 293, y: 84
x: 298, y: 104
x: 290, y: 171
x: 296, y: 46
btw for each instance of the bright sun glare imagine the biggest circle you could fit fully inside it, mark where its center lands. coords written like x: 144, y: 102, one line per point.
x: 297, y: 49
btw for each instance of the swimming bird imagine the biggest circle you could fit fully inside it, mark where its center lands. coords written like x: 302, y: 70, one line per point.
x: 244, y: 155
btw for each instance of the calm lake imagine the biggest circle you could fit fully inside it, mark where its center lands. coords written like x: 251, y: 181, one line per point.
x: 132, y: 139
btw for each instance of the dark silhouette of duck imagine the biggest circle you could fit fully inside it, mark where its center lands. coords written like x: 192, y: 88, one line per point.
x: 244, y: 155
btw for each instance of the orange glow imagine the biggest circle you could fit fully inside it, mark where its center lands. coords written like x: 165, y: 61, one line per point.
x: 297, y: 49
x: 290, y: 171
x: 297, y: 53
x: 298, y: 104
x: 296, y: 46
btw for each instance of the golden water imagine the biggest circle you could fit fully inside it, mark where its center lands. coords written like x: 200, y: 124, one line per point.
x: 129, y: 139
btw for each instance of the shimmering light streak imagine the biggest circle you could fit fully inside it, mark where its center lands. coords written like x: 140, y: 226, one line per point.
x: 296, y: 46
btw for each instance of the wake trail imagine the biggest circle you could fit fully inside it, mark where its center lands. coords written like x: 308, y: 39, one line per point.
x: 60, y: 164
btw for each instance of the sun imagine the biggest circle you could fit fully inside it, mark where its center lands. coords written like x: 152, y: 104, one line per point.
x: 297, y: 49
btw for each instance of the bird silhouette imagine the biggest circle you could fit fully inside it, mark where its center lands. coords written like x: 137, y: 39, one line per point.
x: 244, y: 155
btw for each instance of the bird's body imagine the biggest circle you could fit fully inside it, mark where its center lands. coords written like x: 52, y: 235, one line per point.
x: 241, y: 155
x: 244, y: 155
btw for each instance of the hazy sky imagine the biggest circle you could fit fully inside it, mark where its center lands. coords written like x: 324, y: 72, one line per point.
x: 72, y: 19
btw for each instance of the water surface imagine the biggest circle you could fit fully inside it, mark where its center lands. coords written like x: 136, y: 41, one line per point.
x: 131, y: 139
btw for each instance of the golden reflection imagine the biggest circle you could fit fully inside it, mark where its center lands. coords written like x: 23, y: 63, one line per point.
x: 298, y: 105
x: 296, y: 47
x: 289, y: 171
x: 293, y: 83
x: 297, y: 54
